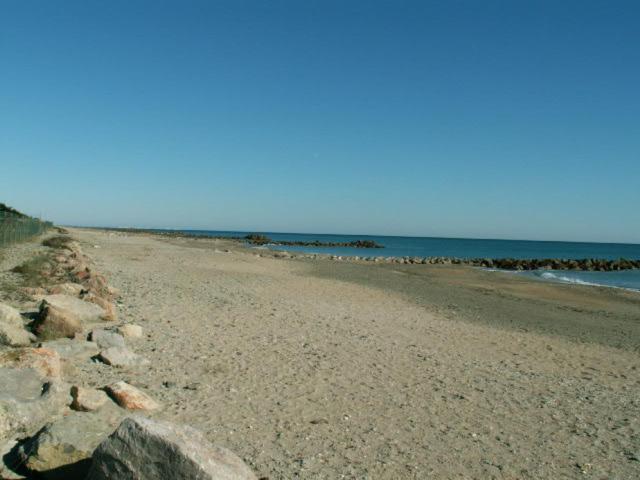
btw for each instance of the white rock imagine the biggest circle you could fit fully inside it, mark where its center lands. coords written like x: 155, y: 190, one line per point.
x: 130, y: 330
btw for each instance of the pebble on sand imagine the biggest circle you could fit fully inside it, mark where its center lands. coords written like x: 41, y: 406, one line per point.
x: 130, y: 398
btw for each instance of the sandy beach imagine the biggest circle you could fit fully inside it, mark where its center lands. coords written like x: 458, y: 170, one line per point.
x: 324, y: 369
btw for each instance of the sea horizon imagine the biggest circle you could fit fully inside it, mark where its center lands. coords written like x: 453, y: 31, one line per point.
x: 358, y: 235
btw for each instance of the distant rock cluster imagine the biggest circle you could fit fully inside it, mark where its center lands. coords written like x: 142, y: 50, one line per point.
x: 257, y: 239
x: 53, y: 430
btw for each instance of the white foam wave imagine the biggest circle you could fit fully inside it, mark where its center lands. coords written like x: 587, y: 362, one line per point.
x: 562, y: 278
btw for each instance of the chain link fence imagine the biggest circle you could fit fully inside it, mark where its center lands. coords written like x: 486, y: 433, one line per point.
x: 16, y: 228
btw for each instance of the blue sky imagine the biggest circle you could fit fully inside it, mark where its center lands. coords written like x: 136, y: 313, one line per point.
x: 499, y: 119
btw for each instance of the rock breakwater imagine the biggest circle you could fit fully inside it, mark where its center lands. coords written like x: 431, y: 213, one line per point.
x: 586, y: 264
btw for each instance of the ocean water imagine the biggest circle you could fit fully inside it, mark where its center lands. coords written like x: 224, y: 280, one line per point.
x: 474, y: 248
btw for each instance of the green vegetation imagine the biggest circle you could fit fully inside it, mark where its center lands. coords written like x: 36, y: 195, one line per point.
x: 59, y: 241
x: 15, y: 226
x: 34, y: 270
x: 11, y: 211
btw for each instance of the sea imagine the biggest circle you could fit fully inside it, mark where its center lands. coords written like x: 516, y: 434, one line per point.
x: 472, y: 248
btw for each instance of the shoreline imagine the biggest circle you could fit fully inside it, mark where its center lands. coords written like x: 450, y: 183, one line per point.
x: 321, y: 369
x: 507, y: 292
x: 502, y: 263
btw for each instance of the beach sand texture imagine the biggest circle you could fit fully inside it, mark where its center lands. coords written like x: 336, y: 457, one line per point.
x: 319, y: 369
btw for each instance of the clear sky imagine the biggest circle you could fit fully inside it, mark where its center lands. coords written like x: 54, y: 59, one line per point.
x: 500, y: 119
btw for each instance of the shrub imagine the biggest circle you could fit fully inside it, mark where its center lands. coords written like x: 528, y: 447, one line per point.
x: 59, y: 241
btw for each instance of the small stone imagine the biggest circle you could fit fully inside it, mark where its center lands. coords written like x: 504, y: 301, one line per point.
x: 130, y: 330
x: 53, y: 322
x: 121, y: 357
x: 106, y: 338
x: 87, y: 399
x: 130, y: 398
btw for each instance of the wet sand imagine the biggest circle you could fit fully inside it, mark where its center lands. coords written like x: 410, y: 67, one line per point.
x: 321, y: 369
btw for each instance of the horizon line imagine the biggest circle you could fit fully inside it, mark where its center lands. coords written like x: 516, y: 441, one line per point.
x: 351, y: 234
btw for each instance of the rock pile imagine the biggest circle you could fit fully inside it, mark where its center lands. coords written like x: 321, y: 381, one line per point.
x: 54, y: 430
x: 587, y: 264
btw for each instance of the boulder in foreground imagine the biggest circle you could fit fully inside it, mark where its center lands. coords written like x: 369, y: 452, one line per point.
x: 141, y: 448
x: 30, y: 391
x: 62, y: 449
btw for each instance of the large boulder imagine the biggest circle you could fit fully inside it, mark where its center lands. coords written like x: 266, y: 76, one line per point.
x: 141, y: 448
x: 9, y: 315
x: 31, y: 392
x: 53, y: 322
x: 73, y: 349
x: 45, y: 361
x: 13, y: 336
x: 12, y: 331
x: 62, y: 449
x: 84, y: 311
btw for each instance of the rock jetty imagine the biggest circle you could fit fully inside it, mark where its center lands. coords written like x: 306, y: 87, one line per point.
x: 257, y: 239
x: 585, y: 264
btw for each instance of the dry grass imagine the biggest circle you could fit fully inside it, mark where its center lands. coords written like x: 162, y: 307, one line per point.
x: 59, y: 241
x: 33, y: 270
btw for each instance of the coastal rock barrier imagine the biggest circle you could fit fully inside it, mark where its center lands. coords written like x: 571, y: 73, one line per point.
x: 53, y: 429
x: 585, y: 264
